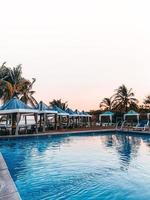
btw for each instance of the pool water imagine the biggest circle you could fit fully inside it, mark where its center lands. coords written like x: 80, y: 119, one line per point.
x: 80, y: 167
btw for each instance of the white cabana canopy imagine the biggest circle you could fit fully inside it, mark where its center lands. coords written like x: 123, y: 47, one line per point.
x: 106, y: 114
x: 59, y: 111
x: 132, y: 113
x: 16, y: 106
x: 44, y: 109
x: 71, y: 112
x: 85, y: 114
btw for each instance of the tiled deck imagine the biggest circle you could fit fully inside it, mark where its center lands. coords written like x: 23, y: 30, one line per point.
x: 8, y: 190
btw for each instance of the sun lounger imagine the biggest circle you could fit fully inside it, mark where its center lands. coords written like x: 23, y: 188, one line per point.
x: 142, y: 125
x: 5, y: 127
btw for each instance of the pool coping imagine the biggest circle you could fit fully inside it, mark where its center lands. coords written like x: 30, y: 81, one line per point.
x: 8, y: 190
x: 74, y: 132
x: 133, y: 132
x: 56, y: 133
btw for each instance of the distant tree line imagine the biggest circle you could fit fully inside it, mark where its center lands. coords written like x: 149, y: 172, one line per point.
x: 122, y: 101
x: 12, y: 83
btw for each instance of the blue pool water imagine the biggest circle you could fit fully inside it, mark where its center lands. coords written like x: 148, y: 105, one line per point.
x: 82, y: 167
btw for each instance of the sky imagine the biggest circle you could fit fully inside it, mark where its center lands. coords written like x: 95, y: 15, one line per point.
x: 79, y: 51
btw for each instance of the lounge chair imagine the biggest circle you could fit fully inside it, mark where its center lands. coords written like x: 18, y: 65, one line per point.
x: 5, y: 125
x: 108, y: 124
x: 142, y: 125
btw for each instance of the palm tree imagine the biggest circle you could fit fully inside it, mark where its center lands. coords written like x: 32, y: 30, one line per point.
x: 10, y: 80
x: 124, y: 99
x: 4, y: 71
x: 26, y: 92
x: 147, y: 102
x: 106, y: 104
x: 6, y: 90
x: 59, y: 103
x: 13, y: 84
x: 15, y: 78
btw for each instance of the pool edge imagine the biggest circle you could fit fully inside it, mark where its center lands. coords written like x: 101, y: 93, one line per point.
x: 8, y: 189
x: 56, y: 133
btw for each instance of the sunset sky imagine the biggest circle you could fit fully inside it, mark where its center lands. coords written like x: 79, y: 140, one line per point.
x: 79, y: 51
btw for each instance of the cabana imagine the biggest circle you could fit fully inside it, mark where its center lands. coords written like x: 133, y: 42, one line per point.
x: 15, y: 108
x: 78, y: 118
x: 44, y: 112
x: 82, y: 118
x: 60, y: 115
x: 148, y: 116
x: 107, y: 114
x: 143, y: 124
x: 87, y: 118
x: 72, y: 117
x: 132, y: 113
x: 148, y: 120
x: 85, y: 114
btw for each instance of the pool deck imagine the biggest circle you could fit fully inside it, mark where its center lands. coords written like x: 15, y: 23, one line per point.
x: 8, y: 190
x: 67, y: 131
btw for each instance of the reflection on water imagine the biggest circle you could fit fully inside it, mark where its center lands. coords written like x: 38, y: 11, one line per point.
x: 78, y: 167
x: 126, y: 146
x: 147, y: 142
x: 20, y: 150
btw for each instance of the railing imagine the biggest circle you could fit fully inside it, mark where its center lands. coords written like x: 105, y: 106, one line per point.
x: 120, y: 124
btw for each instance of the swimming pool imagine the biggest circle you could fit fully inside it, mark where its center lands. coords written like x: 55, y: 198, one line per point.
x: 80, y: 167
